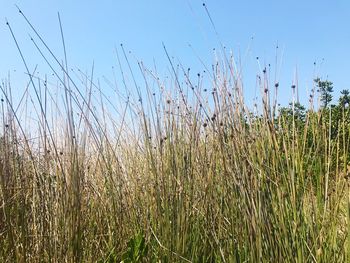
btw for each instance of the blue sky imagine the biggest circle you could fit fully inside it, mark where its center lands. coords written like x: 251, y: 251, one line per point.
x: 306, y: 32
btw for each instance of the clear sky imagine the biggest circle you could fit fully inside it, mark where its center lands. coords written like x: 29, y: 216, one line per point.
x: 306, y: 31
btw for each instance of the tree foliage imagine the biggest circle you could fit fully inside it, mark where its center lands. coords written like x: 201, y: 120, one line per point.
x: 325, y: 88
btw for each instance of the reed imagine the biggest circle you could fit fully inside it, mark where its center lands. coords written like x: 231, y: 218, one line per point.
x: 179, y: 172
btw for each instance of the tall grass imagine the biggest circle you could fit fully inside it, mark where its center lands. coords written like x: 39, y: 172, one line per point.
x: 181, y: 172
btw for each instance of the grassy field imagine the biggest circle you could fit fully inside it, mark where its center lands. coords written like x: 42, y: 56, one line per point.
x: 188, y: 173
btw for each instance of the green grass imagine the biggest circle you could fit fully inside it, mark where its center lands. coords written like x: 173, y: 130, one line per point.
x: 185, y: 175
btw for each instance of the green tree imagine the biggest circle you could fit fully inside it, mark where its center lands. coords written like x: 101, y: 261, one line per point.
x: 344, y: 100
x: 325, y: 87
x: 299, y: 115
x: 299, y: 111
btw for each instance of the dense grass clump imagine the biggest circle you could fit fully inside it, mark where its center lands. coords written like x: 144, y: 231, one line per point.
x: 182, y: 172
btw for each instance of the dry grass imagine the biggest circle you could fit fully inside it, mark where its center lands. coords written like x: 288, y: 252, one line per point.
x: 188, y: 174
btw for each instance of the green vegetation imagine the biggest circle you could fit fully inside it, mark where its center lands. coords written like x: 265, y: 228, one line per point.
x: 187, y: 174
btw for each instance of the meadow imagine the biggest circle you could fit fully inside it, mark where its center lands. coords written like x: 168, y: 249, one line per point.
x: 176, y: 170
